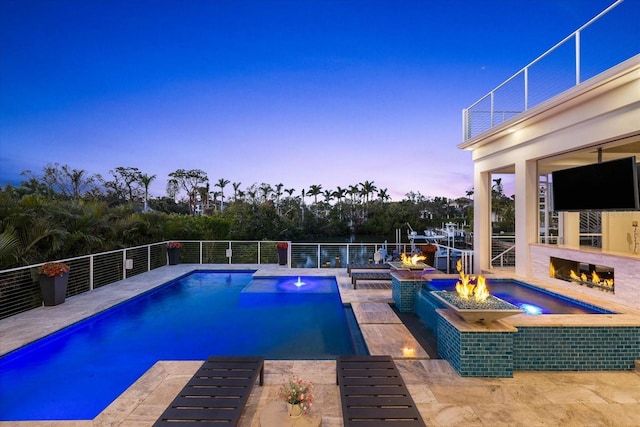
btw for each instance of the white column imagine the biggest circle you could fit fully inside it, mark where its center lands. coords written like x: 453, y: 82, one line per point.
x: 481, y: 220
x: 527, y: 212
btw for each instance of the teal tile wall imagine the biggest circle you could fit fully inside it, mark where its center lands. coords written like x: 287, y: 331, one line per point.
x: 532, y: 348
x: 425, y: 308
x: 404, y: 294
x: 476, y: 354
x: 576, y: 348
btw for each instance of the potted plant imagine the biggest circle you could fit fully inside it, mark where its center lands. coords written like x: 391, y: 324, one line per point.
x: 173, y: 252
x: 282, y: 252
x: 53, y: 278
x: 429, y: 251
x: 298, y: 395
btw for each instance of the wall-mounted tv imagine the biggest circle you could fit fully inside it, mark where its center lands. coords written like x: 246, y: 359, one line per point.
x: 605, y: 186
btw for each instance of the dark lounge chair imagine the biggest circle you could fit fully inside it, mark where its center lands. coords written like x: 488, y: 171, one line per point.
x: 367, y: 266
x: 373, y: 393
x: 369, y: 276
x: 216, y: 394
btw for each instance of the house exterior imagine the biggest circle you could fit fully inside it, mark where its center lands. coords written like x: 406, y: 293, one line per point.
x: 597, y: 119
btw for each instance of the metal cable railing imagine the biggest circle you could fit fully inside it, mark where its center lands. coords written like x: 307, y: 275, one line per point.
x: 20, y: 291
x: 567, y: 64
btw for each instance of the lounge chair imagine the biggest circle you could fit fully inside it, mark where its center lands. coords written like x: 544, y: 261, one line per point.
x: 216, y: 394
x: 373, y: 393
x: 368, y: 276
x: 367, y: 266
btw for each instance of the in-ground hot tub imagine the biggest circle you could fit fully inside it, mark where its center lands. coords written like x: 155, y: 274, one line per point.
x: 574, y: 336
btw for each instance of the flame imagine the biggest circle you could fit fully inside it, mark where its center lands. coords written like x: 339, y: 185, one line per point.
x: 481, y: 291
x: 466, y: 288
x: 595, y: 279
x: 412, y: 260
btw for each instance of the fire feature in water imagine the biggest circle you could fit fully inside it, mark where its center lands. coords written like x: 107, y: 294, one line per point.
x: 411, y: 260
x: 467, y: 288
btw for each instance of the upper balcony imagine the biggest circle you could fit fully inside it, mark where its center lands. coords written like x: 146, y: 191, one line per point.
x: 602, y: 43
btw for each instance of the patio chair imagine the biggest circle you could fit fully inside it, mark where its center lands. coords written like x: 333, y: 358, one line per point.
x: 373, y: 394
x: 216, y: 394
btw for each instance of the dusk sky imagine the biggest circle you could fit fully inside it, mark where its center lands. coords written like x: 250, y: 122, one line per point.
x: 297, y: 92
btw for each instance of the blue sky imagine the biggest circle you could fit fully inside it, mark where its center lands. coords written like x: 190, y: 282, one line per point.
x: 294, y: 92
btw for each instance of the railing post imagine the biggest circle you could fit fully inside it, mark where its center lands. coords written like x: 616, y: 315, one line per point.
x: 578, y: 57
x: 148, y: 257
x: 91, y: 273
x: 526, y: 88
x: 124, y: 264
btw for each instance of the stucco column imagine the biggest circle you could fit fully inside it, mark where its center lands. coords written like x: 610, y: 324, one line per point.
x: 481, y: 220
x: 570, y: 229
x: 527, y: 209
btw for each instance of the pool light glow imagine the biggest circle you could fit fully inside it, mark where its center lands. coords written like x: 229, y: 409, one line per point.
x: 531, y: 309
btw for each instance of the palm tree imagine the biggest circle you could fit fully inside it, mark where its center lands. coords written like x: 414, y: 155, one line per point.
x: 236, y: 189
x: 367, y: 189
x: 339, y: 194
x: 353, y: 192
x: 278, y: 194
x: 204, y: 197
x: 314, y: 191
x: 383, y: 195
x: 222, y: 183
x: 266, y: 190
x: 145, y: 180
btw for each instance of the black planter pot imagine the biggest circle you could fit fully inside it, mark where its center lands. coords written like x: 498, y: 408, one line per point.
x: 53, y: 289
x: 282, y: 256
x: 174, y: 256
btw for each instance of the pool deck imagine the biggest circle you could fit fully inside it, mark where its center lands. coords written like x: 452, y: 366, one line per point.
x: 442, y: 396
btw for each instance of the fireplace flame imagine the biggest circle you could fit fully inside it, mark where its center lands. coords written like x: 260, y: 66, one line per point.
x: 595, y: 279
x: 412, y: 260
x: 466, y: 288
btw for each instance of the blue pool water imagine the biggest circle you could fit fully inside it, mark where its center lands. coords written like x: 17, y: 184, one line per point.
x: 531, y: 299
x: 76, y: 373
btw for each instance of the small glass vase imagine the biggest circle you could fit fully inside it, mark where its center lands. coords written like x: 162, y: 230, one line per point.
x: 294, y: 410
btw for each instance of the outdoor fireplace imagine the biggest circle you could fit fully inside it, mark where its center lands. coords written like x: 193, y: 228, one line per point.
x: 582, y: 273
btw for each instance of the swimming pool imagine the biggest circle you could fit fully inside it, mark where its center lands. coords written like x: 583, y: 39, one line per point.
x: 531, y: 299
x: 75, y: 373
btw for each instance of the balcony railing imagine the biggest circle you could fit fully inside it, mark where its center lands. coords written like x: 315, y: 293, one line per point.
x: 592, y: 49
x: 20, y: 291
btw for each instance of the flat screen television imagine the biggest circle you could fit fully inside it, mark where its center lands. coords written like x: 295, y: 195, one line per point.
x: 606, y: 186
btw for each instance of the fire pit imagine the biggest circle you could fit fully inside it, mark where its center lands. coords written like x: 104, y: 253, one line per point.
x: 473, y: 302
x: 413, y: 262
x: 471, y: 311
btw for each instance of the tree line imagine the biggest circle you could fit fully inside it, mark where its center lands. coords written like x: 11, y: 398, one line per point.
x: 65, y: 212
